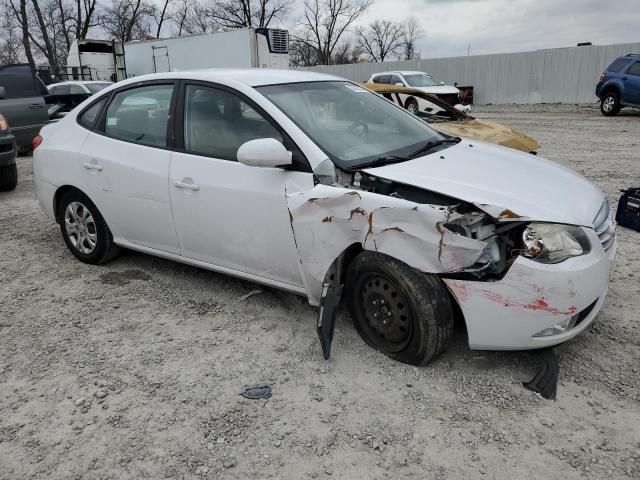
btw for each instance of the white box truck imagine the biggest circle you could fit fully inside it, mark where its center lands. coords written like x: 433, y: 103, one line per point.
x: 242, y: 48
x: 95, y: 60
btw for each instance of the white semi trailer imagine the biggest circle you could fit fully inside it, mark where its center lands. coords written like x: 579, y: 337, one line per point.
x: 243, y: 48
x: 95, y: 60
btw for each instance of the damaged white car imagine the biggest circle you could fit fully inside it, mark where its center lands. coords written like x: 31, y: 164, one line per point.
x: 315, y: 185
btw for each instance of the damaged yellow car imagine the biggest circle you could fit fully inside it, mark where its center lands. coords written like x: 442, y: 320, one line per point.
x: 446, y: 118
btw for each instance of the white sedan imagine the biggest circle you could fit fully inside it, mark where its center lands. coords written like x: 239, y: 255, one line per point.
x: 315, y: 185
x: 423, y: 82
x: 77, y: 87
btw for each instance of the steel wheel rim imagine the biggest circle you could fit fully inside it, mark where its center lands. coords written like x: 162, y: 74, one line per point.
x: 81, y: 228
x: 412, y: 108
x: 608, y: 104
x: 387, y: 321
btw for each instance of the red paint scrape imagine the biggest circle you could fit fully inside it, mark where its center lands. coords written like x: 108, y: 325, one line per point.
x: 539, y: 305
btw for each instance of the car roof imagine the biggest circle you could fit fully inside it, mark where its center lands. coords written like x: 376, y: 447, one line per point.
x: 253, y: 77
x: 78, y: 82
x: 402, y: 72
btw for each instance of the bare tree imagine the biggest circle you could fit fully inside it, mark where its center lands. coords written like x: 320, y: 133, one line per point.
x: 230, y: 14
x: 160, y: 16
x: 347, y: 52
x: 412, y: 32
x: 11, y: 40
x: 127, y: 20
x: 381, y: 39
x: 324, y: 22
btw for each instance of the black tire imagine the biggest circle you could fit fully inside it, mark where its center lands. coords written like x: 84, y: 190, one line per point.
x: 418, y: 309
x: 412, y: 105
x: 8, y: 177
x: 23, y: 151
x: 104, y: 248
x: 610, y: 104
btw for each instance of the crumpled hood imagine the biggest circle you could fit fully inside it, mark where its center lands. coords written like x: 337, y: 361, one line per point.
x: 507, y: 184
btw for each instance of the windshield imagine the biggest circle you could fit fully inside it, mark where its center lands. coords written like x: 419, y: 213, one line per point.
x: 96, y: 87
x: 422, y: 80
x: 350, y: 124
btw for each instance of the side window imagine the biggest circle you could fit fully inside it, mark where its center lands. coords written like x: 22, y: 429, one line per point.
x: 89, y: 117
x: 617, y: 65
x: 76, y: 90
x: 635, y: 69
x: 395, y: 79
x: 19, y: 86
x: 217, y: 122
x: 140, y: 115
x: 61, y: 90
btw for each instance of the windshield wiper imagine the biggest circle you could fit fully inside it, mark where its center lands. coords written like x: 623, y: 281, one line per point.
x: 433, y: 144
x: 384, y: 160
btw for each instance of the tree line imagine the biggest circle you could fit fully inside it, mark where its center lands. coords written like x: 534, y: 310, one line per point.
x: 327, y: 31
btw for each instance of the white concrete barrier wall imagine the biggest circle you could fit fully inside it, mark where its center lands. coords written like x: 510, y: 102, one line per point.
x: 561, y: 75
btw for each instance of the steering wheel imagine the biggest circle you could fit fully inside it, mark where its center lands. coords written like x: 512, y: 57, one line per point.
x: 364, y: 134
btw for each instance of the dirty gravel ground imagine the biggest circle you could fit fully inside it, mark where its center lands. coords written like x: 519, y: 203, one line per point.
x: 132, y: 369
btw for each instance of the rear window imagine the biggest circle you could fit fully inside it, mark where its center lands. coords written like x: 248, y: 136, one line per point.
x: 89, y: 117
x: 618, y: 65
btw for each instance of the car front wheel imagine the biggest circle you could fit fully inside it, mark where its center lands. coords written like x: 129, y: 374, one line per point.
x: 610, y: 104
x: 412, y: 105
x: 397, y: 310
x: 84, y: 230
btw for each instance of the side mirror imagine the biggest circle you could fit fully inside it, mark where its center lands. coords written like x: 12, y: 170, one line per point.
x: 3, y: 93
x: 264, y: 152
x: 398, y: 84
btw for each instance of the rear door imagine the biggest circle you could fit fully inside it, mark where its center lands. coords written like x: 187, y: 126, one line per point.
x: 632, y: 84
x: 23, y: 106
x: 126, y: 165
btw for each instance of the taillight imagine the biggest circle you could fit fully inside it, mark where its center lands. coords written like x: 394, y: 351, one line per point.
x: 37, y: 140
x: 602, y: 77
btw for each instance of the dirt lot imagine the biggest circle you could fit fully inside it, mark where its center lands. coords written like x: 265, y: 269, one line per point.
x: 132, y: 369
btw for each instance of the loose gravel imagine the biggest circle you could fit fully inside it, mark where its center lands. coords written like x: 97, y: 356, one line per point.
x: 133, y: 369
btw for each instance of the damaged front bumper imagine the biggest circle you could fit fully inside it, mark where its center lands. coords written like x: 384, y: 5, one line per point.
x: 518, y: 311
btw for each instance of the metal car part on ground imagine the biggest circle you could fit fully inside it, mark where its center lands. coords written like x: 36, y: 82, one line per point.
x: 442, y: 116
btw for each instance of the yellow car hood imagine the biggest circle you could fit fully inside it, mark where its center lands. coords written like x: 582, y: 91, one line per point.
x: 489, y: 131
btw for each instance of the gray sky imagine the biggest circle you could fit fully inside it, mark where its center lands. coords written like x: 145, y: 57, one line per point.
x: 493, y: 26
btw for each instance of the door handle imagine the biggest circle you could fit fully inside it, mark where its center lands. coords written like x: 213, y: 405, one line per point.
x: 92, y: 166
x: 35, y: 106
x: 189, y: 186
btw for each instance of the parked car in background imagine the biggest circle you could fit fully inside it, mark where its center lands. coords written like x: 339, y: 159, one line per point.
x: 22, y: 102
x: 313, y: 184
x: 619, y: 85
x: 419, y: 81
x: 77, y: 87
x: 445, y: 118
x: 8, y: 167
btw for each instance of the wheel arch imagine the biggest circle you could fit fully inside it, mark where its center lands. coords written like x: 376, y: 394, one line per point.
x: 610, y: 88
x: 57, y: 198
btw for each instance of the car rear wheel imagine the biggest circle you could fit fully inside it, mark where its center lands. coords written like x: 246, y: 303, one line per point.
x: 412, y: 105
x: 610, y: 104
x: 397, y: 310
x: 84, y: 230
x: 8, y: 177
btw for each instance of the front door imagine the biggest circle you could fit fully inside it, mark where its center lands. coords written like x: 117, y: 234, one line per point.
x: 126, y: 167
x: 226, y: 213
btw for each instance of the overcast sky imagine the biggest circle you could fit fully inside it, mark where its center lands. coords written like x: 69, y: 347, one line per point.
x: 494, y: 26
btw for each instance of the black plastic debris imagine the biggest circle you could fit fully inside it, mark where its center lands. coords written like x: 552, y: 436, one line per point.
x: 257, y: 391
x: 545, y: 381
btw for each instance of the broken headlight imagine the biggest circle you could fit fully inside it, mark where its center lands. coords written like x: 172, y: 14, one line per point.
x: 553, y: 243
